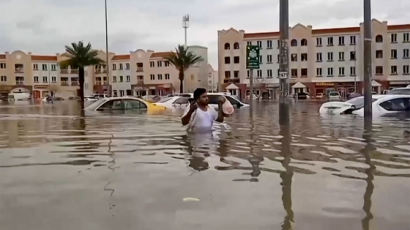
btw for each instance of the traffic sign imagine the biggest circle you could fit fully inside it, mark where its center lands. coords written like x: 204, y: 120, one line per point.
x: 252, y: 57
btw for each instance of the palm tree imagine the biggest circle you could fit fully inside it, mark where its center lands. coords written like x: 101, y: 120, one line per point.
x: 80, y: 56
x: 182, y: 59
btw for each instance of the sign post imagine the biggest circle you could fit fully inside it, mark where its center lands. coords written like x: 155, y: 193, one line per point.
x: 252, y: 62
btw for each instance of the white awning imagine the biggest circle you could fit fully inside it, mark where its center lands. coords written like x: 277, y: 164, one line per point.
x: 232, y: 86
x: 375, y: 84
x: 298, y: 85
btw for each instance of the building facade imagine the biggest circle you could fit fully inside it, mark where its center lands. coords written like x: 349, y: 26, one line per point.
x: 138, y: 73
x: 320, y: 60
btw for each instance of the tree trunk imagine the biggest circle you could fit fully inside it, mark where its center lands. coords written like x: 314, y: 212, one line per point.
x: 81, y: 82
x: 181, y: 81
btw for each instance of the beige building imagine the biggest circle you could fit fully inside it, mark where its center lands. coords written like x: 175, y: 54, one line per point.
x: 320, y: 59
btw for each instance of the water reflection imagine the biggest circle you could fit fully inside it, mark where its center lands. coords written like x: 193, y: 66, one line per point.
x: 367, y: 153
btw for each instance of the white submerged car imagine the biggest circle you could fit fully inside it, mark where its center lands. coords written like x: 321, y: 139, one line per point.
x: 389, y: 105
x: 348, y: 107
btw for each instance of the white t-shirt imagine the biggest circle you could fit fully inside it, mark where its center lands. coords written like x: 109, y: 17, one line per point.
x: 202, y: 121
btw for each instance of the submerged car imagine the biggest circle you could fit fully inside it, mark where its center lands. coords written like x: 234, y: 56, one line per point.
x: 174, y: 103
x: 388, y: 105
x: 339, y: 107
x: 400, y: 91
x: 334, y: 96
x: 125, y: 104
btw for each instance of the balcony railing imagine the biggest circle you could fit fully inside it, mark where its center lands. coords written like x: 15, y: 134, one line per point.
x: 64, y: 71
x: 64, y: 83
x: 68, y: 71
x: 140, y: 69
x: 19, y: 70
x: 74, y: 71
x: 75, y: 83
x: 19, y: 82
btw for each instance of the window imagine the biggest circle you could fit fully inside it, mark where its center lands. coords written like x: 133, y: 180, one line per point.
x: 3, y: 78
x: 114, y: 66
x: 304, y: 42
x: 393, y: 70
x: 166, y: 63
x: 353, y: 55
x: 127, y: 66
x: 159, y: 63
x: 236, y: 45
x: 379, y: 70
x: 379, y: 38
x: 53, y: 79
x: 236, y: 59
x: 278, y: 58
x: 152, y: 64
x: 269, y: 44
x: 259, y: 43
x: 393, y: 38
x: 121, y: 79
x: 398, y: 104
x: 260, y: 59
x: 227, y: 74
x: 160, y: 77
x: 352, y: 40
x: 294, y: 73
x: 19, y: 80
x: 393, y: 54
x: 236, y: 74
x: 128, y: 78
x: 122, y: 93
x: 341, y: 56
x: 341, y: 41
x: 248, y: 74
x: 269, y: 73
x: 294, y: 42
x: 330, y: 56
x: 53, y: 67
x: 259, y: 73
x: 44, y: 67
x: 319, y: 57
x: 353, y: 71
x: 121, y: 68
x: 330, y: 72
x: 269, y: 59
x: 2, y: 65
x: 45, y: 79
x: 319, y: 42
x: 294, y: 57
x: 304, y: 73
x: 379, y: 53
x: 227, y: 60
x: 330, y: 41
x: 114, y: 79
x: 406, y: 37
x: 406, y: 53
x: 278, y: 44
x: 248, y: 43
x: 35, y: 79
x: 341, y: 71
x: 406, y: 70
x: 105, y: 106
x: 318, y: 72
x: 152, y: 77
x: 227, y: 46
x: 304, y: 57
x: 166, y: 76
x: 35, y: 66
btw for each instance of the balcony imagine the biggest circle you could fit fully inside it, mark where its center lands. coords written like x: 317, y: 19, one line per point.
x: 140, y: 69
x: 74, y: 71
x: 68, y: 71
x: 19, y: 70
x: 64, y: 83
x: 19, y: 82
x: 75, y: 83
x: 64, y: 71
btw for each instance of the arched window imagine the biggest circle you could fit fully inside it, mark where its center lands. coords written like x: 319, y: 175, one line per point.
x: 227, y: 46
x: 304, y: 42
x: 294, y: 42
x: 379, y: 38
x: 236, y: 45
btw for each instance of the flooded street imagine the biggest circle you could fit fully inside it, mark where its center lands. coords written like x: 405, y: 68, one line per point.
x: 59, y: 170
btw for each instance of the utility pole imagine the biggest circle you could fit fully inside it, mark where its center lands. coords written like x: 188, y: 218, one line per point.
x: 107, y: 67
x: 284, y: 62
x: 185, y: 25
x: 367, y: 65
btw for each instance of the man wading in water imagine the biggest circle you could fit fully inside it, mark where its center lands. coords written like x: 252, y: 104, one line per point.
x: 199, y: 116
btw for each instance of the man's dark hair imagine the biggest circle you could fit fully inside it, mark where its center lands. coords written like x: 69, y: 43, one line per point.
x: 198, y: 92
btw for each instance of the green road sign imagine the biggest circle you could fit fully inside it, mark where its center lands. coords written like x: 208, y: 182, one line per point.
x: 252, y: 57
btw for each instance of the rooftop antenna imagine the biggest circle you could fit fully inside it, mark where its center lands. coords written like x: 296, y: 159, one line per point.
x: 185, y: 25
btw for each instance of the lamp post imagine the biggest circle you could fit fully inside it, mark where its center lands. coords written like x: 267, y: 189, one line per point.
x: 284, y: 63
x: 367, y: 65
x: 107, y: 67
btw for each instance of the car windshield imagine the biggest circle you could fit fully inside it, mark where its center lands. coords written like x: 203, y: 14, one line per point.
x: 405, y: 91
x: 165, y: 99
x: 358, y: 102
x: 334, y: 94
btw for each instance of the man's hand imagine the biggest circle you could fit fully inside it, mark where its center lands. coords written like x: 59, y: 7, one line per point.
x: 193, y: 106
x: 221, y: 100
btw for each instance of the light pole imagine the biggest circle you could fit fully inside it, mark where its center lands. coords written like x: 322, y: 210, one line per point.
x: 284, y: 63
x: 367, y: 65
x: 107, y: 67
x: 185, y: 25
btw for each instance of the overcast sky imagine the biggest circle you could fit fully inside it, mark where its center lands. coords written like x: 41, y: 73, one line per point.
x: 45, y: 26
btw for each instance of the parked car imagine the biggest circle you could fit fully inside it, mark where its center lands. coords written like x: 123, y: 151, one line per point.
x: 353, y: 95
x: 334, y: 96
x: 388, y: 105
x: 214, y: 98
x: 340, y: 108
x: 400, y: 91
x: 302, y: 96
x: 174, y: 103
x: 319, y: 95
x: 125, y: 104
x: 95, y: 97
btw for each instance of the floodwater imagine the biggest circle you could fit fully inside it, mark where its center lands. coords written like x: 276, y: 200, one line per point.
x: 59, y: 170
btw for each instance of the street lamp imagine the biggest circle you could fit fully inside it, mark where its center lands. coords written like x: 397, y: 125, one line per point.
x: 107, y: 67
